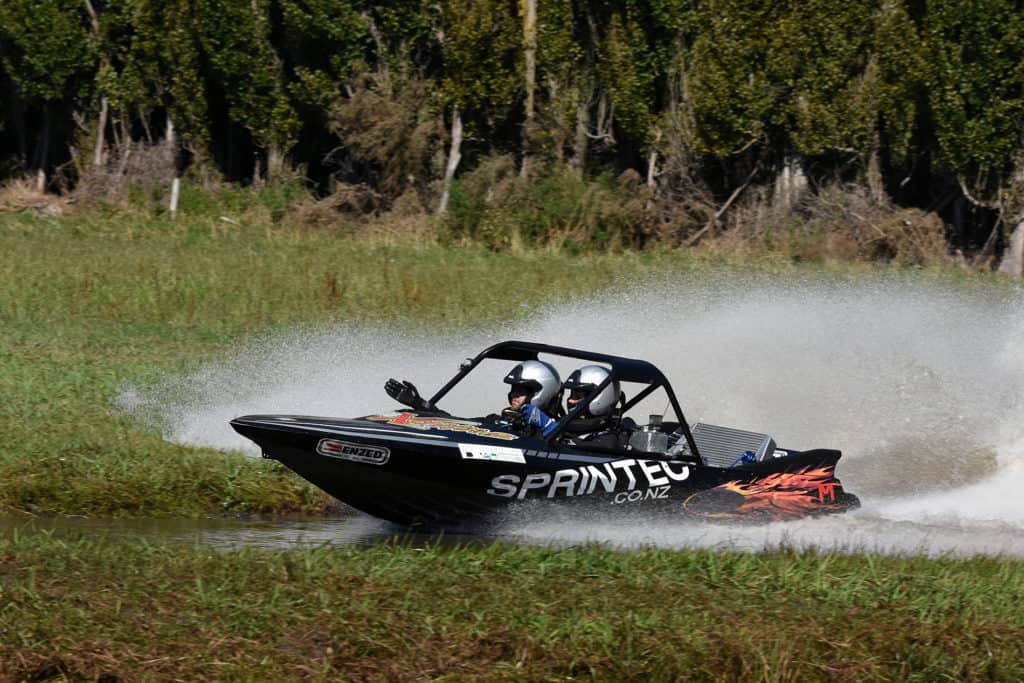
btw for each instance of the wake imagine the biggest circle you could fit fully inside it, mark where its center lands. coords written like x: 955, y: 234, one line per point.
x: 917, y: 381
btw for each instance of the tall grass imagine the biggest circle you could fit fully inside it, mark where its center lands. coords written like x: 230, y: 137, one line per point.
x: 90, y: 302
x: 562, y: 210
x: 86, y: 609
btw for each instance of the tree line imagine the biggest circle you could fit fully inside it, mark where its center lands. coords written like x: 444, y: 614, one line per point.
x: 920, y: 102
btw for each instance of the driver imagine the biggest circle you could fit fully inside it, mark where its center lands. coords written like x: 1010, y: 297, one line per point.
x: 536, y: 394
x: 533, y: 397
x: 599, y: 424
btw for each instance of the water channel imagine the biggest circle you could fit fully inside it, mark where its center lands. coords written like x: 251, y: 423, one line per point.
x: 918, y: 380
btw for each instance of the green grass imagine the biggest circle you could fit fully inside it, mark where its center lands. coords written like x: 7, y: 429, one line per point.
x: 88, y: 304
x: 91, y: 303
x: 86, y: 609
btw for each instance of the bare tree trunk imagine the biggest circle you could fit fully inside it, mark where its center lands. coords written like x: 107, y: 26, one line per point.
x: 1013, y: 258
x: 530, y: 54
x: 876, y: 186
x: 652, y: 160
x: 454, y: 156
x: 579, y: 151
x: 126, y: 133
x: 275, y: 162
x: 175, y: 194
x: 789, y: 184
x: 101, y: 129
x: 721, y: 211
x: 172, y: 146
x: 145, y: 126
x: 383, y: 72
x: 43, y: 154
x: 117, y: 138
x: 169, y: 136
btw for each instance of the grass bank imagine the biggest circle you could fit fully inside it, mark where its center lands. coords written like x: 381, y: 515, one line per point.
x: 95, y: 300
x: 86, y: 610
x: 88, y: 303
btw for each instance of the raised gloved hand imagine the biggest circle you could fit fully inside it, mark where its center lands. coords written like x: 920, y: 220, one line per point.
x: 536, y: 417
x: 405, y: 393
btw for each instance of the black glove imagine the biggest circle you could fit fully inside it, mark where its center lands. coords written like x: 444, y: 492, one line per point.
x: 406, y: 394
x: 403, y: 392
x: 514, y: 418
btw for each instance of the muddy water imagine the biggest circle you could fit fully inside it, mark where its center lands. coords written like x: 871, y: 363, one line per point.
x: 856, y: 532
x: 227, y: 534
x: 919, y: 382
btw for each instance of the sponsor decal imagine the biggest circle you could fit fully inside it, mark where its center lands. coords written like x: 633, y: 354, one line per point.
x: 610, y: 477
x: 656, y: 493
x: 475, y: 451
x: 446, y: 424
x: 356, y: 452
x: 775, y: 496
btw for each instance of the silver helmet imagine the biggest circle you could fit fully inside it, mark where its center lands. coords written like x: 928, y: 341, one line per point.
x: 540, y: 377
x: 588, y: 378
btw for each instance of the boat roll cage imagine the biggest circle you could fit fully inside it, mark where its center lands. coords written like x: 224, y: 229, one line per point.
x: 620, y: 369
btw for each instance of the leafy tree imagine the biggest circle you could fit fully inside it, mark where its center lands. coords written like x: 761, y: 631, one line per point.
x: 132, y: 43
x: 900, y: 81
x: 976, y: 85
x: 182, y: 67
x: 561, y: 78
x: 235, y: 38
x: 645, y: 43
x: 46, y: 48
x: 629, y: 74
x: 46, y: 51
x: 733, y: 98
x: 322, y: 42
x: 481, y: 53
x: 818, y: 68
x: 408, y: 33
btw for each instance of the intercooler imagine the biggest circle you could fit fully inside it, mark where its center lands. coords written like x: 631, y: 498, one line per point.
x: 721, y: 446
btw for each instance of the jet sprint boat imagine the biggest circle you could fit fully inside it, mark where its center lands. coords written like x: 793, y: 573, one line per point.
x: 429, y: 468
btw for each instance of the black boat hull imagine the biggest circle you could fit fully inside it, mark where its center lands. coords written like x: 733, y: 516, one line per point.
x: 422, y: 470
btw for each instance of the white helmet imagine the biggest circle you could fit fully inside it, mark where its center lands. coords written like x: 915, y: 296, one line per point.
x: 588, y: 378
x: 540, y: 377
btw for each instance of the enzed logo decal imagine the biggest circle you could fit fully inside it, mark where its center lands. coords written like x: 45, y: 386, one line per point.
x: 622, y: 476
x: 446, y: 424
x: 356, y: 452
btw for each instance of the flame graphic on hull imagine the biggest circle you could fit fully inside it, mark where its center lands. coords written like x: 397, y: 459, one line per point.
x: 778, y: 496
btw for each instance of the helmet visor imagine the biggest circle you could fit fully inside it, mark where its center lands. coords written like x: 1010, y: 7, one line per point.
x: 522, y: 389
x: 526, y: 389
x: 577, y: 394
